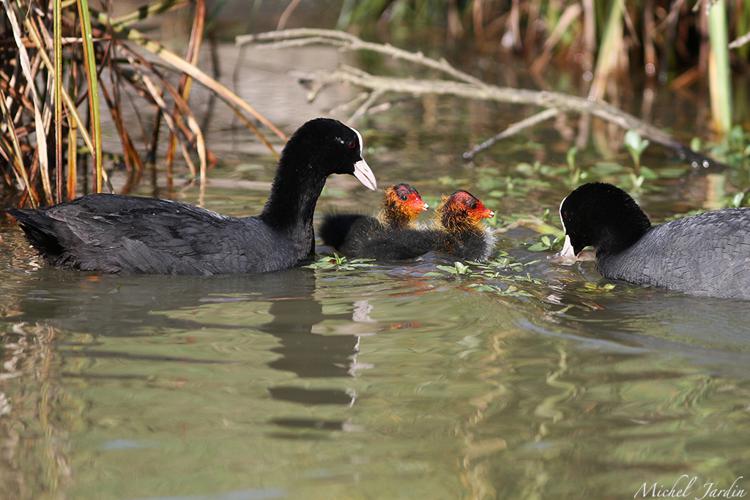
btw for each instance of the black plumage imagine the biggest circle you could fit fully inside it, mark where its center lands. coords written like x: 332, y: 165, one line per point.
x: 114, y: 234
x: 458, y: 231
x: 390, y: 236
x: 706, y: 255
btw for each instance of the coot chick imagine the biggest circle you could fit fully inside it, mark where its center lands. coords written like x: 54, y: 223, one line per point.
x: 127, y: 234
x: 707, y: 254
x: 392, y: 235
x: 462, y: 233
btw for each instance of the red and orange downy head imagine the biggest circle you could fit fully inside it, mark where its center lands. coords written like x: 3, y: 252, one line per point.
x: 402, y: 204
x: 462, y: 210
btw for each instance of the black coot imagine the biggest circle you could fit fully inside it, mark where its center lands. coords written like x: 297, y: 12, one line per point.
x: 391, y: 235
x: 708, y: 254
x: 126, y: 234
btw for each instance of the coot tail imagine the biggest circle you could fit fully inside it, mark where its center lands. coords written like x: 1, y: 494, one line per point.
x: 40, y: 232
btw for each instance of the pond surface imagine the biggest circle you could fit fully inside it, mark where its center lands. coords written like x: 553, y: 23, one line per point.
x: 383, y: 381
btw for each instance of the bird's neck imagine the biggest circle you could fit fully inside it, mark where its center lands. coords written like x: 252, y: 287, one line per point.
x: 456, y: 225
x: 395, y: 218
x: 294, y: 194
x: 615, y: 238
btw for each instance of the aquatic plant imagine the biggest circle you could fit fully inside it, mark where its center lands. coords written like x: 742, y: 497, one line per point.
x: 546, y: 243
x: 503, y: 275
x: 338, y: 262
x: 457, y: 269
x: 60, y: 56
x: 635, y: 145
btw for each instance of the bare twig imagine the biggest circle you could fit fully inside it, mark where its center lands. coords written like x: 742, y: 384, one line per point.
x: 193, y: 51
x: 358, y: 99
x: 365, y: 106
x: 467, y: 86
x: 544, y: 99
x: 510, y: 131
x: 41, y: 135
x: 284, y: 18
x: 180, y: 64
x: 348, y: 41
x: 739, y: 42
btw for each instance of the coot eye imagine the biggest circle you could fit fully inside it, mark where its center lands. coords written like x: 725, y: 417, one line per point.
x: 351, y: 144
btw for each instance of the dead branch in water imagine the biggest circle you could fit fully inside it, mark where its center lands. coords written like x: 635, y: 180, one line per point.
x: 510, y: 131
x: 467, y: 86
x: 346, y: 41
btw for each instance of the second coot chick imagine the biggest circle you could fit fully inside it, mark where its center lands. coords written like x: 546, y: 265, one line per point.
x: 707, y: 254
x: 391, y: 235
x: 462, y: 233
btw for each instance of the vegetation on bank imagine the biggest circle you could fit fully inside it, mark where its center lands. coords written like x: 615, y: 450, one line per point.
x: 678, y: 43
x: 65, y: 63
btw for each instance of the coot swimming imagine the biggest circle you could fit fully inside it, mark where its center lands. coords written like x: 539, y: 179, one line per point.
x: 127, y: 234
x: 707, y: 254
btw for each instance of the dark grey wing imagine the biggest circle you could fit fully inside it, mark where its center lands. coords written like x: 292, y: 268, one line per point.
x: 127, y: 234
x: 708, y: 255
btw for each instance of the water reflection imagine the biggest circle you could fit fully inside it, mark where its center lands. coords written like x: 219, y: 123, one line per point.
x: 36, y: 414
x: 252, y: 384
x: 711, y: 332
x: 147, y: 306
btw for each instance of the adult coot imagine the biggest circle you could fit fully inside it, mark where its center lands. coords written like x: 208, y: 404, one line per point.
x: 114, y: 234
x: 392, y: 235
x: 708, y: 254
x: 461, y: 232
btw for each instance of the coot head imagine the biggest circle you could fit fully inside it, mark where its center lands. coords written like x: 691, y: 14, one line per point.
x: 463, y: 210
x: 328, y: 147
x: 603, y: 216
x: 402, y: 202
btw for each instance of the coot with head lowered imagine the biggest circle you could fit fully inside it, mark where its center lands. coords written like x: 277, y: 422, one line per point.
x: 127, y: 234
x: 707, y: 254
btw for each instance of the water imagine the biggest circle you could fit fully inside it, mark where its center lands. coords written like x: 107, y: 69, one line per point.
x: 380, y: 382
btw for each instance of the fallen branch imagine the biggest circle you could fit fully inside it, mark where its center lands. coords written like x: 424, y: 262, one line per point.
x: 346, y: 41
x: 511, y: 130
x: 467, y: 86
x: 544, y: 99
x: 365, y: 106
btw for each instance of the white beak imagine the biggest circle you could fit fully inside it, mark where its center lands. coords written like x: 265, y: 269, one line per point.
x: 567, y: 251
x: 364, y: 175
